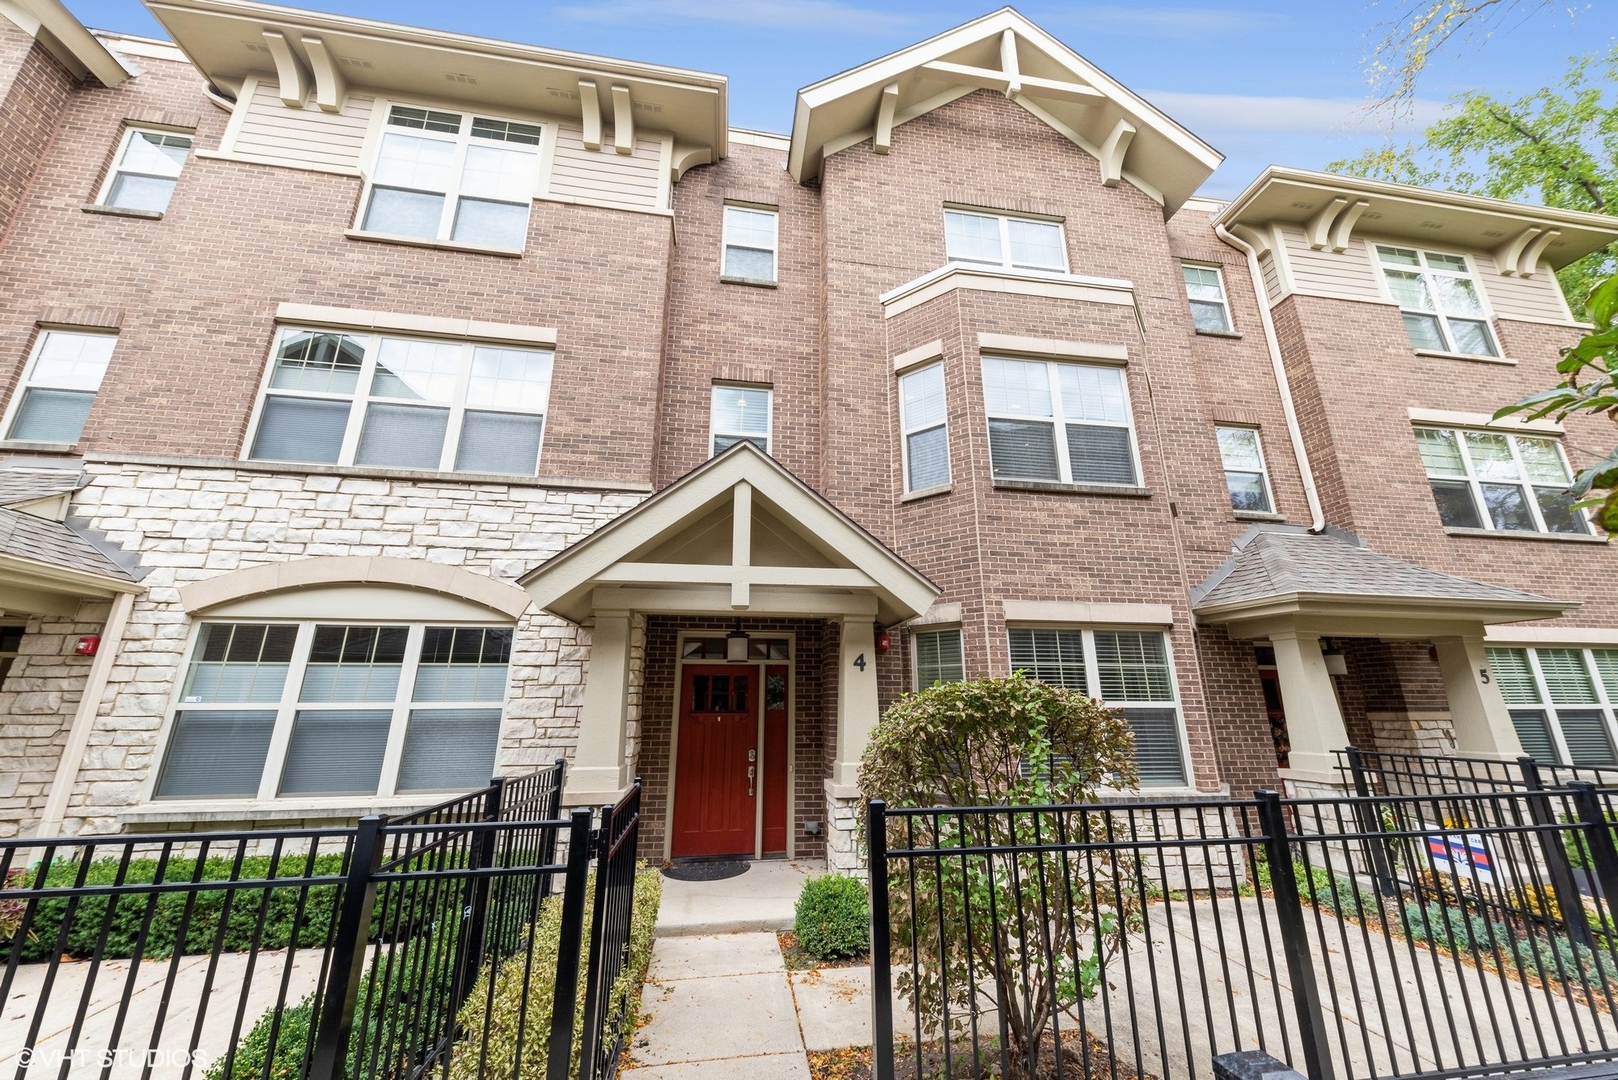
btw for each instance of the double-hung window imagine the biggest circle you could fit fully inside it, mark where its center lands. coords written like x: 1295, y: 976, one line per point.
x: 1500, y: 481
x: 1127, y: 670
x: 739, y: 414
x: 1060, y: 422
x: 926, y: 428
x: 416, y: 403
x: 1245, y: 475
x: 751, y: 237
x: 938, y: 656
x: 1205, y: 289
x: 1561, y: 701
x: 60, y: 386
x: 145, y: 170
x: 309, y: 710
x: 453, y: 176
x: 1010, y: 243
x: 1439, y: 299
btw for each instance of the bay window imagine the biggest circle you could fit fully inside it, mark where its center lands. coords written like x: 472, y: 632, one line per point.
x: 1562, y: 702
x: 416, y: 403
x: 1126, y: 670
x: 1245, y: 476
x: 270, y: 710
x: 925, y: 428
x: 145, y: 171
x: 1059, y: 422
x: 938, y: 657
x: 1011, y: 243
x: 1439, y: 299
x: 453, y: 176
x: 1499, y: 481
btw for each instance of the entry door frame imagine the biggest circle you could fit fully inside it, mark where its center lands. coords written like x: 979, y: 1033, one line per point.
x: 757, y: 667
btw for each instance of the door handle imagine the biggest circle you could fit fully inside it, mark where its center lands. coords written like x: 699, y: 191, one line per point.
x: 752, y: 771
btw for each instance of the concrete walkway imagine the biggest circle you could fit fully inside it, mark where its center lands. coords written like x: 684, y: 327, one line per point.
x: 761, y: 899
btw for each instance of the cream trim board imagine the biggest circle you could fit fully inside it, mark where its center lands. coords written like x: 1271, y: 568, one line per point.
x: 435, y: 326
x: 1087, y: 614
x: 768, y: 140
x: 941, y: 613
x: 1450, y: 418
x: 238, y: 117
x: 665, y: 172
x: 1052, y: 348
x: 921, y: 354
x: 1573, y: 636
x: 275, y: 163
x: 499, y: 597
x: 948, y: 278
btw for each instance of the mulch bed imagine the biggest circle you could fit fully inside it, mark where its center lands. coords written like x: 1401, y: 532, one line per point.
x: 855, y: 1063
x: 799, y: 960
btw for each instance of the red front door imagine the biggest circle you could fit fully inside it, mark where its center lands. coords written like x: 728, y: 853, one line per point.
x: 717, y: 769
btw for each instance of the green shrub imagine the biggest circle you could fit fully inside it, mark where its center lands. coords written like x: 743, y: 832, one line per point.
x: 834, y: 917
x: 520, y: 1011
x: 207, y: 909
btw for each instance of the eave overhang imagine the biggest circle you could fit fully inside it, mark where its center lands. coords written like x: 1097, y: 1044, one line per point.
x: 67, y: 39
x: 310, y: 50
x: 1365, y: 606
x: 1331, y: 208
x: 1006, y: 52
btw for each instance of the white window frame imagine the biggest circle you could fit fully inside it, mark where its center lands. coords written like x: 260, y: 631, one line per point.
x: 1263, y: 466
x: 1474, y: 484
x: 362, y: 397
x: 288, y: 706
x: 725, y: 243
x: 1005, y: 262
x: 1223, y: 302
x: 715, y: 431
x: 1063, y: 465
x: 113, y: 172
x: 26, y: 383
x: 1428, y: 273
x: 906, y: 430
x: 462, y: 139
x: 1092, y: 679
x: 916, y: 634
x: 1605, y: 703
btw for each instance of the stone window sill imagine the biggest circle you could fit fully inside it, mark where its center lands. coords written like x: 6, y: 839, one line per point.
x: 927, y: 493
x: 755, y: 283
x: 441, y: 245
x: 1515, y: 534
x: 37, y: 447
x: 1054, y: 488
x: 122, y: 211
x: 1219, y: 333
x: 1437, y: 354
x: 1256, y: 515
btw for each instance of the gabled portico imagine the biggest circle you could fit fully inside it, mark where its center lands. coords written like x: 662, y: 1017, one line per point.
x: 738, y: 538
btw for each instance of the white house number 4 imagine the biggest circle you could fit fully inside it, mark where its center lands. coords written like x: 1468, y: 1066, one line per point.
x: 859, y: 661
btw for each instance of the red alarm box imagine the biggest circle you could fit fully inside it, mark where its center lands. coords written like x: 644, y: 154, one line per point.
x: 87, y: 646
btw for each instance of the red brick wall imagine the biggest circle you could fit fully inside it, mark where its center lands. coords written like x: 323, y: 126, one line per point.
x: 33, y: 89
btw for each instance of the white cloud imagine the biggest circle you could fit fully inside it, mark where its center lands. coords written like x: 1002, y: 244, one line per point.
x: 1210, y: 114
x: 831, y: 16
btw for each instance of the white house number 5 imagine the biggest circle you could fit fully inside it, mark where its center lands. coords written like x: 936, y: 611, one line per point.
x: 859, y: 661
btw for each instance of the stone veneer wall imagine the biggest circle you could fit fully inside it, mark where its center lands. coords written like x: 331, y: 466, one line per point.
x: 190, y: 523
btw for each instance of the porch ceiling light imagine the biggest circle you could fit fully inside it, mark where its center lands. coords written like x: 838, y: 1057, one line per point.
x: 736, y: 645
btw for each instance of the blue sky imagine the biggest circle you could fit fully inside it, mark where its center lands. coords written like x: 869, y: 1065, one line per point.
x: 1264, y: 81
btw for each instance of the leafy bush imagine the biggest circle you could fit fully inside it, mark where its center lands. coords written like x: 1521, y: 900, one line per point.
x: 169, y: 910
x: 1552, y: 957
x: 524, y: 993
x: 1010, y: 743
x: 833, y: 917
x: 1339, y: 895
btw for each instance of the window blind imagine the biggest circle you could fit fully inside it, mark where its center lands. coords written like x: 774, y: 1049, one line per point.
x: 1023, y: 450
x: 301, y: 429
x: 1588, y: 740
x: 496, y: 442
x: 1513, y: 675
x: 1157, y: 746
x: 1534, y: 732
x: 52, y: 415
x: 929, y: 458
x: 1099, y: 455
x: 449, y: 749
x: 216, y: 754
x: 336, y: 752
x: 405, y: 436
x: 1051, y: 656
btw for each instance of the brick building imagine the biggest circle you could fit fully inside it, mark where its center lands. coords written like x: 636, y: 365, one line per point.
x: 387, y: 407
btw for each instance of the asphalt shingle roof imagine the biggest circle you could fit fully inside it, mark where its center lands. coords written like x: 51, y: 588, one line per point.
x: 26, y: 485
x: 23, y: 536
x: 1282, y: 563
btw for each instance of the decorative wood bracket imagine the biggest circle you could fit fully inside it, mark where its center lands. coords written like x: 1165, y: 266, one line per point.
x: 623, y: 121
x: 330, y: 86
x: 1519, y: 256
x: 884, y: 118
x: 1331, y: 228
x: 294, y: 86
x: 590, y: 104
x: 1113, y: 152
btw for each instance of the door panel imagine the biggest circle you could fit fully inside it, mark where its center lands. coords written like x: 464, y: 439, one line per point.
x: 715, y: 800
x: 775, y: 760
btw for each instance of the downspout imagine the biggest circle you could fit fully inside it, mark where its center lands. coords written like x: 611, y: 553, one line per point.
x: 84, y: 718
x: 1317, y: 516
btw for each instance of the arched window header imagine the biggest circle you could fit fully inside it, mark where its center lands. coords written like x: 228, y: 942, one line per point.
x: 349, y: 586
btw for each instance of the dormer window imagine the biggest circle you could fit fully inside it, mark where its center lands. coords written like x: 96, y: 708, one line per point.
x: 1443, y: 311
x: 453, y: 176
x: 1004, y: 241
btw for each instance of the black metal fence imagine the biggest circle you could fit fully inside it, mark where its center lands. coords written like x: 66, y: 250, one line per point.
x: 1427, y: 935
x: 299, y: 953
x: 1396, y: 773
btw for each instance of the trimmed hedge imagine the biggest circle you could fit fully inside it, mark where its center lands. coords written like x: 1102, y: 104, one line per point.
x: 833, y: 917
x: 207, y: 909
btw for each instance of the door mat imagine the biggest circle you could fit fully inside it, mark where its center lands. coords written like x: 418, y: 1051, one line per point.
x: 707, y: 870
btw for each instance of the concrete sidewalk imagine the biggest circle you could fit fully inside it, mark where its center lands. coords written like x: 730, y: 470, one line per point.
x: 761, y: 899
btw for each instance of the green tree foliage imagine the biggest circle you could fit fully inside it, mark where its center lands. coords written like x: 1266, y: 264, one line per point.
x: 964, y: 926
x: 1557, y: 146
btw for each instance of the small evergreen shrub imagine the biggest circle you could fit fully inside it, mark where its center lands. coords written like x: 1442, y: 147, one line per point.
x: 834, y: 917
